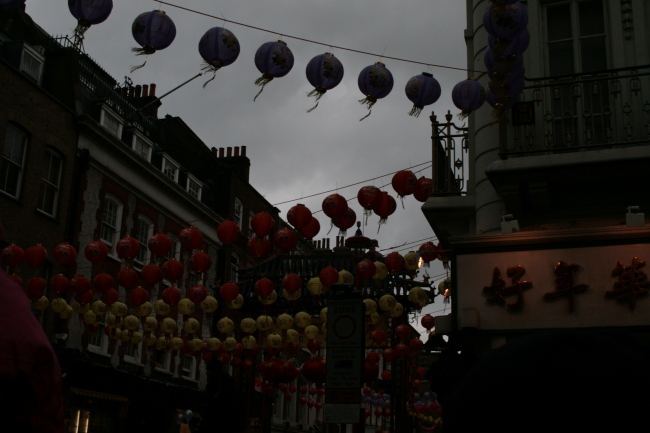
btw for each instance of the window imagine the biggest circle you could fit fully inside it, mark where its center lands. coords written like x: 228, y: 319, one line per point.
x: 50, y: 183
x: 194, y: 187
x: 13, y: 162
x: 98, y: 341
x: 144, y: 230
x: 234, y: 267
x: 111, y: 122
x: 163, y: 360
x: 189, y: 367
x: 133, y: 352
x: 251, y: 214
x: 141, y: 147
x: 32, y: 62
x: 175, y: 252
x: 576, y: 37
x: 111, y: 222
x: 238, y: 212
x: 170, y: 169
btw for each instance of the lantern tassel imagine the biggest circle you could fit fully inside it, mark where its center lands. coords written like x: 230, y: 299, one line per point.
x: 464, y: 114
x: 381, y: 221
x: 318, y: 92
x: 207, y: 67
x: 79, y: 32
x: 366, y: 214
x: 331, y: 227
x: 262, y: 81
x: 368, y: 101
x: 415, y: 111
x: 401, y: 197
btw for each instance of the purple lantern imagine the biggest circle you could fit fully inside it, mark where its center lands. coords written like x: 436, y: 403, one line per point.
x: 509, y: 47
x: 505, y: 96
x: 218, y: 47
x: 153, y: 31
x: 505, y: 64
x: 505, y: 22
x: 422, y: 90
x: 324, y: 72
x: 376, y: 82
x: 89, y: 12
x: 6, y: 5
x: 468, y: 95
x: 273, y: 60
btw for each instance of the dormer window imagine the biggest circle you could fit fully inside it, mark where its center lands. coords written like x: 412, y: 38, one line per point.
x: 111, y: 122
x: 194, y: 187
x: 32, y: 62
x: 141, y: 146
x: 170, y: 168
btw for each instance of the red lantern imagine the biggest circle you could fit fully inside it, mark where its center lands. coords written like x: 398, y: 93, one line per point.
x: 416, y: 345
x: 139, y: 296
x: 372, y: 357
x: 369, y: 197
x: 394, y: 262
x: 328, y: 276
x: 321, y: 391
x: 282, y: 387
x: 191, y: 238
x: 259, y: 247
x: 299, y: 216
x: 314, y: 369
x: 335, y: 206
x: 367, y: 413
x: 427, y: 321
x: 17, y: 279
x: 286, y: 239
x: 160, y: 244
x: 378, y: 413
x: 103, y: 282
x: 303, y: 401
x: 86, y: 298
x: 292, y: 283
x: 311, y: 403
x: 60, y: 284
x: 387, y: 412
x: 366, y: 268
x: 229, y: 291
x: 401, y: 350
x: 200, y: 262
x: 12, y: 255
x: 402, y: 331
x: 127, y: 277
x: 110, y: 297
x: 303, y: 390
x: 173, y: 270
x: 311, y: 229
x: 428, y: 251
x: 291, y: 348
x: 264, y: 287
x: 385, y: 207
x: 171, y: 295
x: 370, y: 372
x: 247, y: 365
x: 404, y: 182
x: 312, y: 390
x: 287, y: 395
x: 79, y: 284
x: 262, y: 224
x: 64, y: 253
x: 318, y: 405
x: 197, y: 294
x: 228, y: 232
x: 421, y: 371
x: 423, y: 189
x: 235, y: 362
x: 35, y: 256
x: 35, y: 288
x: 151, y: 274
x: 389, y: 354
x: 386, y: 375
x: 417, y: 383
x: 366, y: 391
x: 96, y: 251
x: 224, y: 358
x: 345, y: 221
x: 127, y: 248
x: 292, y: 389
x: 313, y: 345
x: 378, y: 336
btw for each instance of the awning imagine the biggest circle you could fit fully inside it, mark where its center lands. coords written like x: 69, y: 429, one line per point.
x: 95, y: 394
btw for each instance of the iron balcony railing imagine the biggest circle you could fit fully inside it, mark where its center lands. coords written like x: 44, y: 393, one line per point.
x: 575, y: 112
x: 449, y: 147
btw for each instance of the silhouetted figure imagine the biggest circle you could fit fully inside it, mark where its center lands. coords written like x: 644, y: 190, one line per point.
x: 222, y: 411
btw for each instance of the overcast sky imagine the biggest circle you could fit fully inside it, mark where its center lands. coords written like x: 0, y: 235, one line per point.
x: 294, y: 153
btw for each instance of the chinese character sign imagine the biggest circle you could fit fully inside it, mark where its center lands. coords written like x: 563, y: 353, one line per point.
x: 631, y: 282
x: 497, y: 291
x: 564, y: 284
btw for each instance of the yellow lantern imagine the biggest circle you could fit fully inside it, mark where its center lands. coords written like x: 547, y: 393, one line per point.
x: 284, y: 321
x: 381, y: 273
x: 81, y: 309
x: 230, y: 344
x: 151, y: 340
x: 311, y: 332
x: 323, y: 315
x: 150, y: 324
x: 177, y: 343
x: 119, y: 309
x: 225, y: 325
x: 98, y: 307
x: 162, y: 343
x: 90, y: 318
x: 111, y: 320
x: 264, y: 323
x: 209, y: 305
x: 161, y: 308
x: 58, y: 305
x: 302, y: 319
x: 323, y: 329
x: 274, y: 340
x: 345, y: 277
x: 41, y: 303
x: 411, y: 261
x: 196, y: 344
x: 291, y: 296
x: 387, y: 302
x: 115, y: 334
x: 236, y: 303
x: 125, y: 336
x: 192, y: 326
x: 136, y: 338
x: 66, y: 313
x: 269, y: 299
x: 213, y: 344
x: 168, y: 325
x: 315, y: 286
x: 397, y: 310
x: 248, y: 342
x: 248, y: 325
x: 144, y: 310
x: 185, y: 306
x: 371, y: 306
x: 418, y: 296
x: 292, y: 336
x: 374, y: 318
x: 444, y: 285
x: 131, y: 323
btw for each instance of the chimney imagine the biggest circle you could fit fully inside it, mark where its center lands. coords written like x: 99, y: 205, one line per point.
x: 145, y: 91
x: 243, y: 151
x: 138, y: 91
x: 152, y: 89
x: 215, y: 152
x: 228, y: 151
x: 236, y: 150
x: 131, y: 92
x: 221, y: 152
x: 124, y: 91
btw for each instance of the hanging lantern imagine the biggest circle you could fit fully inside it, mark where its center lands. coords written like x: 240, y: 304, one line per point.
x: 79, y: 284
x: 404, y: 183
x: 35, y: 288
x: 427, y: 322
x: 96, y: 251
x: 372, y: 356
x: 509, y: 47
x: 60, y: 284
x: 324, y: 72
x: 269, y: 300
x: 161, y: 307
x: 160, y: 244
x: 423, y: 189
x: 311, y: 332
x: 381, y: 273
x: 368, y: 197
x: 228, y: 232
x: 286, y: 239
x: 127, y: 277
x: 177, y: 343
x: 197, y: 294
x: 504, y: 97
x: 259, y: 247
x: 264, y: 323
x: 274, y: 341
x: 468, y: 96
x: 401, y: 350
x: 248, y: 325
x: 35, y: 256
x: 139, y: 295
x: 264, y: 287
x: 292, y: 283
x: 218, y: 47
x: 110, y: 297
x: 419, y: 296
x: 345, y: 222
x: 127, y: 248
x: 314, y: 371
x: 284, y: 321
x: 186, y: 307
x: 385, y: 208
x: 416, y: 345
x: 151, y: 274
x: 191, y: 238
x: 168, y: 325
x: 411, y: 261
x: 88, y: 13
x: 153, y: 31
x: 248, y: 342
x: 315, y: 286
x: 209, y: 305
x: 171, y: 295
x: 387, y: 302
x: 310, y: 230
x: 328, y: 276
x: 131, y: 323
x: 200, y: 262
x: 6, y: 5
x: 366, y: 269
x: 291, y: 296
x: 302, y: 319
x: 145, y: 309
x: 370, y: 306
x: 86, y: 298
x: 64, y: 253
x: 422, y: 90
x: 192, y: 326
x: 173, y: 270
x: 397, y: 311
x: 90, y: 318
x: 428, y: 252
x: 299, y: 216
x: 58, y: 305
x: 273, y: 60
x: 103, y: 282
x: 262, y: 224
x: 119, y: 309
x: 229, y: 291
x: 345, y: 277
x: 236, y: 303
x: 506, y: 22
x: 12, y: 255
x: 335, y: 206
x: 394, y: 262
x: 378, y: 336
x: 375, y: 82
